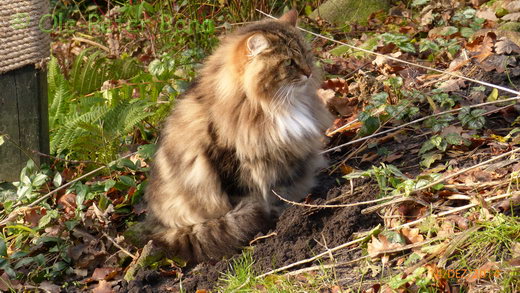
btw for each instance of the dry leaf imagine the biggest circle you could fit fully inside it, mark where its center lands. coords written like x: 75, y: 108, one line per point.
x: 105, y: 273
x: 103, y: 287
x: 49, y: 287
x: 33, y: 215
x: 513, y: 6
x: 496, y: 62
x: 379, y: 245
x: 458, y: 62
x: 504, y: 45
x: 392, y: 157
x: 484, y: 271
x: 512, y: 16
x: 325, y: 95
x: 6, y: 283
x: 427, y: 18
x: 452, y: 85
x: 412, y: 235
x: 487, y: 14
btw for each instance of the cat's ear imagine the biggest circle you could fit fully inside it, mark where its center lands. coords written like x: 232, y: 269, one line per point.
x: 289, y: 17
x: 256, y: 44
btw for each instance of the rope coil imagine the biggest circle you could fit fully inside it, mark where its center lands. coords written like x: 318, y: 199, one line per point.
x: 23, y: 39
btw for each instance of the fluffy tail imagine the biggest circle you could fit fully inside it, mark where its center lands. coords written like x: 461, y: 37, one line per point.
x: 214, y: 238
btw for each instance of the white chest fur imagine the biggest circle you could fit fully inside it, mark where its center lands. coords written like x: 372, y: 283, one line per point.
x: 296, y: 122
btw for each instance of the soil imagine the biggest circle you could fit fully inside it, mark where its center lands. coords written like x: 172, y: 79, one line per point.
x: 300, y: 233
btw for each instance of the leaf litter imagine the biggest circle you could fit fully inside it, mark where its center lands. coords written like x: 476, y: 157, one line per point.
x: 350, y: 91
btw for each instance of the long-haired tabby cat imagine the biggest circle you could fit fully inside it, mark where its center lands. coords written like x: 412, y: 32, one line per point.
x: 250, y: 124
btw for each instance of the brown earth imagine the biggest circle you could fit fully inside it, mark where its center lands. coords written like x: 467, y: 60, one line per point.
x: 298, y: 231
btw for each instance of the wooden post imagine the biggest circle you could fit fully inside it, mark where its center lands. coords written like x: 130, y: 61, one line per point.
x: 24, y: 118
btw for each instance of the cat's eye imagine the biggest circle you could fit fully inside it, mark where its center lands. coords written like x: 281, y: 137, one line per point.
x: 289, y: 62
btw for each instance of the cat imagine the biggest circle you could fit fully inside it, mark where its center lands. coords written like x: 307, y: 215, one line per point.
x: 251, y: 123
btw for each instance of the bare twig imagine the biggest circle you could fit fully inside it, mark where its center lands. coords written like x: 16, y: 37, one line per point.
x: 65, y: 160
x: 262, y: 237
x: 404, y: 61
x: 304, y: 261
x: 457, y: 209
x: 328, y: 205
x: 90, y: 42
x: 377, y: 207
x: 417, y: 121
x: 328, y: 266
x: 14, y: 213
x: 133, y: 256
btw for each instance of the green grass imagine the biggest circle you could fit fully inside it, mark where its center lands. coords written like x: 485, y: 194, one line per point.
x: 241, y: 277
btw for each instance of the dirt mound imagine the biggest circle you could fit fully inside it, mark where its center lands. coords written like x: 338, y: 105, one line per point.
x: 300, y: 233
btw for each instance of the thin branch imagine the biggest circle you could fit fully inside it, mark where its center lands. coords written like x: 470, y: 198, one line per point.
x: 440, y: 180
x: 404, y: 61
x: 90, y: 42
x: 14, y: 213
x: 328, y: 205
x: 304, y: 261
x: 65, y: 160
x: 455, y: 210
x: 133, y: 256
x: 417, y: 121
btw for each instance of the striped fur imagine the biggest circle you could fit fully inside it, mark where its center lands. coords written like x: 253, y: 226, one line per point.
x: 250, y: 124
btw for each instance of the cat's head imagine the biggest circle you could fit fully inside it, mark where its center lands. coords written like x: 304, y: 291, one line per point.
x: 277, y: 61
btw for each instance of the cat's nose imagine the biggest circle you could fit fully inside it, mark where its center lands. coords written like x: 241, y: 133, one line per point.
x: 307, y: 71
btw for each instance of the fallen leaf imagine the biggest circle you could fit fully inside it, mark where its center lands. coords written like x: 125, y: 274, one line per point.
x: 392, y: 157
x: 427, y: 18
x: 325, y: 95
x: 49, y: 287
x: 33, y: 215
x: 512, y: 16
x: 504, y: 45
x: 412, y: 235
x: 103, y: 287
x: 482, y: 272
x: 496, y: 62
x: 105, y: 273
x: 6, y: 283
x: 381, y: 244
x: 458, y: 62
x: 461, y: 222
x: 452, y: 85
x: 68, y: 201
x: 488, y: 14
x: 513, y: 6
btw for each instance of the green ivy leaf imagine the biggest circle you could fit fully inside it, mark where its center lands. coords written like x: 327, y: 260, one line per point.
x: 156, y: 67
x: 430, y: 158
x: 3, y: 247
x: 407, y: 47
x: 416, y: 3
x: 47, y: 218
x: 473, y: 119
x: 57, y: 180
x: 449, y: 30
x: 379, y: 99
x: 454, y: 139
x: 147, y: 151
x: 440, y: 122
x: 370, y: 125
x: 126, y: 180
x: 39, y: 180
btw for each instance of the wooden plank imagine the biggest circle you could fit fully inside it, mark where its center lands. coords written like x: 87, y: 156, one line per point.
x: 10, y: 155
x: 23, y: 116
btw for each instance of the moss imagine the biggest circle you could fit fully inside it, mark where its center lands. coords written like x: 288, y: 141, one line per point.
x: 340, y: 12
x: 510, y: 26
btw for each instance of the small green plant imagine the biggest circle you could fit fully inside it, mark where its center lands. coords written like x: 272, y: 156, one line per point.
x: 392, y: 181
